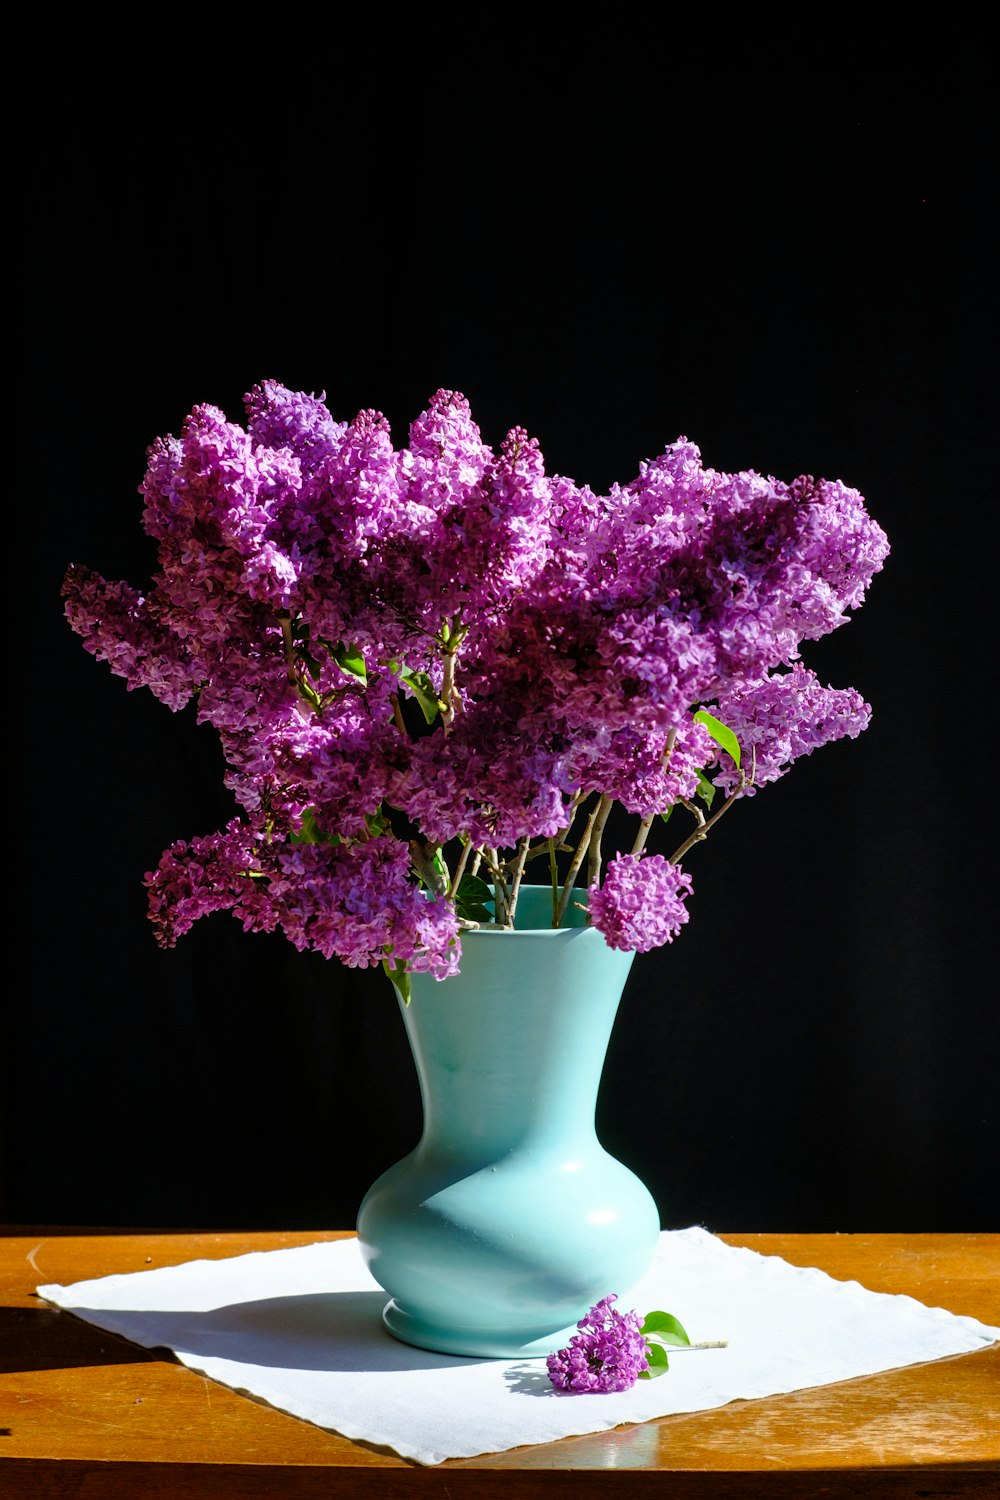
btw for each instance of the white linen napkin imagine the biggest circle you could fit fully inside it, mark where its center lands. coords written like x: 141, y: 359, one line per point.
x: 301, y: 1329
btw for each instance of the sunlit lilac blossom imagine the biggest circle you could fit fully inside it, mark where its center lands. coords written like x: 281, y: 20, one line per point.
x: 438, y: 654
x: 608, y: 1354
x: 782, y: 716
x: 353, y: 902
x: 640, y: 904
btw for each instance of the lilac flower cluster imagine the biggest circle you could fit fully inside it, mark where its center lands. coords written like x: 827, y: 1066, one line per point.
x: 640, y: 905
x: 608, y: 1354
x: 346, y: 901
x: 428, y: 662
x: 782, y: 716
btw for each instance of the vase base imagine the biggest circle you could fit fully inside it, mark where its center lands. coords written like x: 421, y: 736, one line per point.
x: 481, y: 1343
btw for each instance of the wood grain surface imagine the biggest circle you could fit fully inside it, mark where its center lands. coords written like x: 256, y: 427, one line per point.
x: 83, y: 1412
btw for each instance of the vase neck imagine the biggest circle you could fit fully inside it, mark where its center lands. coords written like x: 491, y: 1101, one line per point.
x: 511, y: 1050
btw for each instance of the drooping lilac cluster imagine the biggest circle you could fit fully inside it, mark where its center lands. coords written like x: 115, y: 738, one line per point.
x: 608, y: 1354
x: 782, y: 716
x: 640, y: 904
x: 439, y: 645
x: 345, y: 901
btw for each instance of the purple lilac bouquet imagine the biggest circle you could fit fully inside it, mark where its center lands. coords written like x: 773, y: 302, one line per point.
x: 432, y: 666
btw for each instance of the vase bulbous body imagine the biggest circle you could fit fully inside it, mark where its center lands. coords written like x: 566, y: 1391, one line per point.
x: 509, y: 1219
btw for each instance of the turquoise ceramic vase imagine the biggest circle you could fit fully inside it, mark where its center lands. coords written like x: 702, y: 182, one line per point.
x: 509, y: 1220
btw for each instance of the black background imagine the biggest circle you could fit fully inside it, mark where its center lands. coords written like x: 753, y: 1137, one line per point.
x: 793, y: 272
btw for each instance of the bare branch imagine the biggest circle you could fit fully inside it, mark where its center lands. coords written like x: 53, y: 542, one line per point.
x: 643, y: 834
x: 460, y: 870
x: 554, y: 877
x: 594, y: 861
x: 500, y: 908
x: 397, y: 714
x: 704, y: 824
x: 450, y: 700
x: 515, y: 879
x: 577, y: 861
x: 426, y: 869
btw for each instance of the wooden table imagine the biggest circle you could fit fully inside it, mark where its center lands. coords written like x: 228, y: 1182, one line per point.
x: 84, y: 1413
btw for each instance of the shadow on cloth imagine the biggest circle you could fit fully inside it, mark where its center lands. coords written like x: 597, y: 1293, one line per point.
x: 332, y: 1331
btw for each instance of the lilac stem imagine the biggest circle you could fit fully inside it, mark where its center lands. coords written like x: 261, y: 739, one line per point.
x: 594, y: 861
x: 515, y: 880
x: 460, y: 870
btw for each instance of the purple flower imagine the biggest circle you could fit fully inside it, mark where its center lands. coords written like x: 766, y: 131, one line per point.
x: 641, y: 902
x: 354, y: 902
x: 120, y: 627
x: 608, y: 1354
x: 782, y: 716
x: 556, y: 641
x: 280, y: 418
x: 217, y: 873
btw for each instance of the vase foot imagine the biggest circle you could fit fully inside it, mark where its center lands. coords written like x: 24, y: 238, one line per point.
x: 489, y: 1343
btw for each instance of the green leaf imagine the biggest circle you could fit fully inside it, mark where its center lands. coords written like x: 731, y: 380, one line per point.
x: 706, y: 789
x: 473, y: 913
x: 399, y: 975
x: 311, y: 664
x: 666, y: 816
x: 473, y: 899
x: 474, y: 888
x: 721, y: 733
x: 310, y: 832
x: 351, y: 660
x: 658, y: 1362
x: 422, y: 689
x: 665, y: 1327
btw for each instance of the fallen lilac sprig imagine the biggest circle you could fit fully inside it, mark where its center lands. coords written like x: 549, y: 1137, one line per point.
x: 608, y: 1354
x: 613, y: 1350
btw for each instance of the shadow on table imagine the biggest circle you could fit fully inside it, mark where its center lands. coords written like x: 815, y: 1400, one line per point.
x: 42, y: 1338
x: 325, y: 1331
